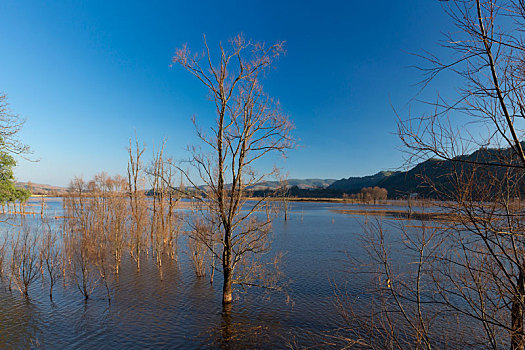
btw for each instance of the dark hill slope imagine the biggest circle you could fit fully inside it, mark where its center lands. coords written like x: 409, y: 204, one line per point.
x: 355, y: 184
x: 433, y: 178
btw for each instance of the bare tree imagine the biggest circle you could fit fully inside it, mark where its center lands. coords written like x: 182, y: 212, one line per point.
x: 50, y: 255
x: 3, y: 254
x: 197, y: 249
x: 83, y: 273
x: 116, y: 189
x: 373, y: 194
x: 249, y: 126
x: 401, y: 309
x: 137, y: 198
x: 165, y: 223
x: 283, y: 192
x: 24, y: 258
x: 10, y: 126
x: 475, y: 269
x: 78, y: 237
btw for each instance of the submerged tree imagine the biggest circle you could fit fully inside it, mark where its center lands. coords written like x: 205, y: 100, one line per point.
x: 283, y: 194
x: 79, y: 238
x: 471, y: 268
x: 50, y: 255
x: 249, y: 126
x: 137, y: 200
x: 25, y: 263
x: 165, y: 222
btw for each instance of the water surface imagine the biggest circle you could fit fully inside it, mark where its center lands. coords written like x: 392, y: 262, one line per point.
x: 182, y: 311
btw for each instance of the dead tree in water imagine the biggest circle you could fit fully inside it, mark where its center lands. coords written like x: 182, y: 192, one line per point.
x: 99, y: 211
x: 198, y: 253
x: 475, y: 269
x: 3, y: 254
x: 249, y: 126
x: 118, y: 215
x: 50, y: 255
x: 24, y: 258
x: 283, y: 192
x: 79, y: 239
x: 173, y: 220
x: 137, y: 199
x: 165, y: 223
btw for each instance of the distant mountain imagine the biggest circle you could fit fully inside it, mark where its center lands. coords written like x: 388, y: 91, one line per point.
x: 41, y: 189
x: 398, y: 183
x: 305, y: 184
x: 355, y: 184
x: 432, y: 171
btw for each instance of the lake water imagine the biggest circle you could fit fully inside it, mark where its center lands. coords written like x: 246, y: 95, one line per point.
x: 182, y: 311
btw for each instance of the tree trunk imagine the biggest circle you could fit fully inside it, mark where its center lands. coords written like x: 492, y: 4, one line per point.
x: 227, y: 329
x: 517, y: 336
x: 227, y: 272
x: 227, y: 287
x: 212, y: 272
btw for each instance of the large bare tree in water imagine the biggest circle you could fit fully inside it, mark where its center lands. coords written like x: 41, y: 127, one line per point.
x: 472, y: 267
x: 249, y: 125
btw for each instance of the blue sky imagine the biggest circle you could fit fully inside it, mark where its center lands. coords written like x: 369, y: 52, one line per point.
x: 87, y: 74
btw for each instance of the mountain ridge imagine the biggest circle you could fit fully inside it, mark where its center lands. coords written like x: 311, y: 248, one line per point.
x: 397, y: 183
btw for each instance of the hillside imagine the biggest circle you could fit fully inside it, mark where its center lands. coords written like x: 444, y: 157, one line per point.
x: 417, y: 179
x: 305, y: 184
x: 42, y: 189
x: 355, y: 184
x: 398, y: 183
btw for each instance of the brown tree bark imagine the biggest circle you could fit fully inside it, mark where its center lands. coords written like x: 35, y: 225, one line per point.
x: 517, y: 313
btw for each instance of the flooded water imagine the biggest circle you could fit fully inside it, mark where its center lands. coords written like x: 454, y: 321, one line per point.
x: 182, y: 311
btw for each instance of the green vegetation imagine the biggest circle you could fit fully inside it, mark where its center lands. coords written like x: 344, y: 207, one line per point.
x: 10, y: 125
x: 9, y: 193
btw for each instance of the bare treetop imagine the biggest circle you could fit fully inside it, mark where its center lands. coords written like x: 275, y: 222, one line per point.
x: 241, y: 60
x: 10, y: 126
x: 249, y: 125
x: 486, y: 54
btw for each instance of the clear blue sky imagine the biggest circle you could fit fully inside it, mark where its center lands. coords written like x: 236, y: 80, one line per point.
x: 87, y: 74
